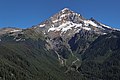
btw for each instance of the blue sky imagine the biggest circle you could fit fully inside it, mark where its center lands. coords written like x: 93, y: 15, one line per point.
x: 26, y: 13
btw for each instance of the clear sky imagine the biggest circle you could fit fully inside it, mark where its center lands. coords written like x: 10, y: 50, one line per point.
x: 26, y: 13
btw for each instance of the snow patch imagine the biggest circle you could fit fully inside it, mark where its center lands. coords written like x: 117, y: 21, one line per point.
x: 18, y: 39
x: 51, y: 29
x: 105, y: 26
x: 104, y: 33
x: 86, y: 28
x: 55, y: 21
x: 42, y: 25
x: 65, y: 9
x: 87, y: 22
x: 65, y: 27
x: 64, y: 15
x: 15, y: 30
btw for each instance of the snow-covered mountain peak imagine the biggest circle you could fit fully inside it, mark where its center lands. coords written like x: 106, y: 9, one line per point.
x: 67, y: 22
x: 63, y: 16
x: 65, y: 9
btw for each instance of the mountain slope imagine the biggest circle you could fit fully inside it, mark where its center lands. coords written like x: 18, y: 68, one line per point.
x: 101, y: 61
x: 65, y: 25
x: 26, y: 60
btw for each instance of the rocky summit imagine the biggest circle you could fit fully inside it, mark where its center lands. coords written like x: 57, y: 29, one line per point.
x: 66, y: 46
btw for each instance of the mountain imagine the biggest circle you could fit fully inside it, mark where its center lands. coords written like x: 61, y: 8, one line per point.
x: 66, y: 46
